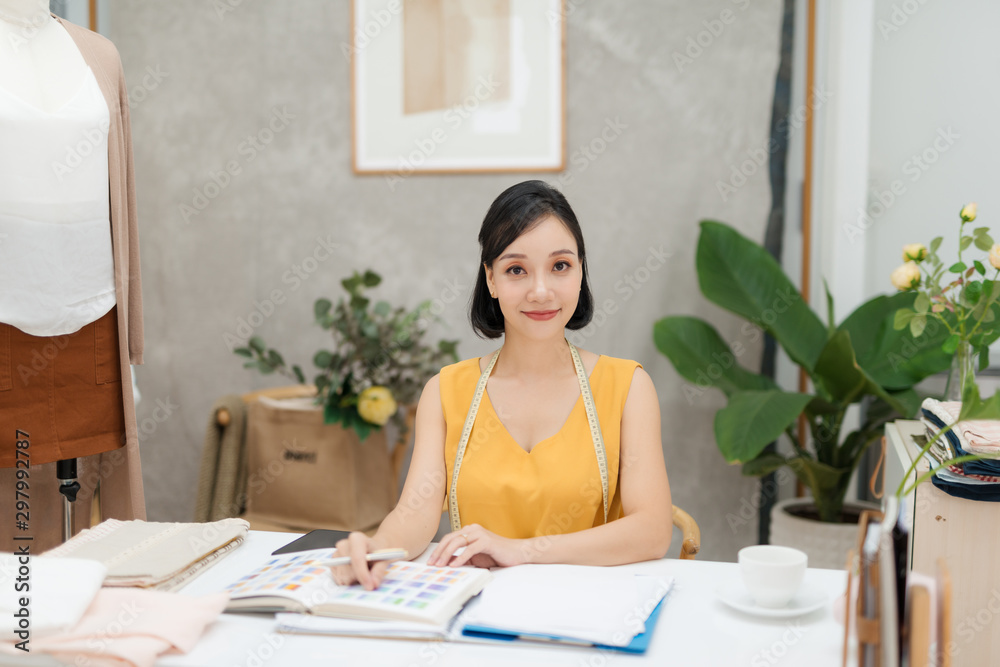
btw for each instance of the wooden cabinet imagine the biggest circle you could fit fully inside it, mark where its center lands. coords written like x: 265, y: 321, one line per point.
x: 967, y: 534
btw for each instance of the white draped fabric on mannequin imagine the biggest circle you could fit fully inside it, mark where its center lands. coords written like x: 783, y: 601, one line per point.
x: 56, y: 261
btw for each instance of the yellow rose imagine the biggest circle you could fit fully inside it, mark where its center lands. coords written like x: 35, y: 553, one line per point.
x: 916, y: 252
x: 906, y: 276
x: 376, y: 405
x: 968, y: 212
x: 995, y: 255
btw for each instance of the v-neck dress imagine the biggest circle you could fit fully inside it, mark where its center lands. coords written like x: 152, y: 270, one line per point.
x: 556, y: 487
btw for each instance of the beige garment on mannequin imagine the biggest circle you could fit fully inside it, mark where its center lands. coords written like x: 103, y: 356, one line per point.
x: 119, y: 472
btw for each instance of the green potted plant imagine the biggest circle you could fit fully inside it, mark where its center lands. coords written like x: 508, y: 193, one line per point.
x: 863, y: 358
x: 377, y: 360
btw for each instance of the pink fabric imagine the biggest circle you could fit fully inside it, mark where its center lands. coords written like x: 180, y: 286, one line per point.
x: 132, y: 627
x: 983, y: 435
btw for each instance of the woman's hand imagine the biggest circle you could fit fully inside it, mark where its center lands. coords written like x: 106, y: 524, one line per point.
x: 482, y: 549
x: 358, y: 546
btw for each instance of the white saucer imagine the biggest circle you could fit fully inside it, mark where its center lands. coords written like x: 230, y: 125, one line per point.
x: 809, y: 597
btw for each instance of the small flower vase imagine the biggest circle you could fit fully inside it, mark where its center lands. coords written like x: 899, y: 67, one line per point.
x: 963, y: 371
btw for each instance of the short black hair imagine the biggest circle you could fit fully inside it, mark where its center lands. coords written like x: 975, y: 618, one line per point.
x: 517, y: 210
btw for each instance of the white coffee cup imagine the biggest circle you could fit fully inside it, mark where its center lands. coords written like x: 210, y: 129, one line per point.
x: 772, y: 574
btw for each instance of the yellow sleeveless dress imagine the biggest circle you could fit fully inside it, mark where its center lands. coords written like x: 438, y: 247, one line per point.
x: 556, y: 487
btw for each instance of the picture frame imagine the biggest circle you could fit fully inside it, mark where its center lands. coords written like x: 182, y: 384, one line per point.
x: 457, y: 86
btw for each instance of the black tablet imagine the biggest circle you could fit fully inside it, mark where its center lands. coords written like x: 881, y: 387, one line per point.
x: 315, y: 539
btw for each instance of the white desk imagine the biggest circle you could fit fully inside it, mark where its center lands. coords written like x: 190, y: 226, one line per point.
x: 694, y: 629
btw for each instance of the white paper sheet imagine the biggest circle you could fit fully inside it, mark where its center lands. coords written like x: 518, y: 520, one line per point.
x: 570, y: 601
x: 325, y: 625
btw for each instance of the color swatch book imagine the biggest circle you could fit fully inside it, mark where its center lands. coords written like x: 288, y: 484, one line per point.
x: 414, y: 592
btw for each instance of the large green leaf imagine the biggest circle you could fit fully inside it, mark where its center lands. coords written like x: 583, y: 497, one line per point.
x: 893, y: 358
x: 754, y: 419
x: 701, y: 356
x: 740, y: 276
x: 839, y: 376
x: 828, y: 484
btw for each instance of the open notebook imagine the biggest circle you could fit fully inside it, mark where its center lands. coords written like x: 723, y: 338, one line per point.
x: 554, y: 604
x: 409, y: 592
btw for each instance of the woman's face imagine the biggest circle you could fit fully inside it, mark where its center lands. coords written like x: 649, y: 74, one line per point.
x: 537, y: 280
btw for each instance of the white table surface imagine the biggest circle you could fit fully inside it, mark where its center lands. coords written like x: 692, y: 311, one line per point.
x: 694, y: 628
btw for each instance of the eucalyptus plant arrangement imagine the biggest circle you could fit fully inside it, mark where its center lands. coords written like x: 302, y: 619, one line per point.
x: 377, y: 361
x: 861, y: 359
x: 960, y: 297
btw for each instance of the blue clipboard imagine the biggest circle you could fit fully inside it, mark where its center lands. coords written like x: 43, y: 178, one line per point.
x: 638, y: 645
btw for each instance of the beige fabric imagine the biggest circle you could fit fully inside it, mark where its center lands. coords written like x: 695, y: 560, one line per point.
x: 155, y: 555
x: 120, y: 471
x: 222, y: 477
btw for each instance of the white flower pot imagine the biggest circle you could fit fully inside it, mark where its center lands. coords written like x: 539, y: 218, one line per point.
x: 826, y: 544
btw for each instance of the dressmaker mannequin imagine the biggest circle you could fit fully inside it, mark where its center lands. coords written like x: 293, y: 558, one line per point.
x: 40, y: 65
x: 68, y: 322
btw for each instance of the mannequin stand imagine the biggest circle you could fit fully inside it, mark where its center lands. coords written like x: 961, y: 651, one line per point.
x: 68, y: 487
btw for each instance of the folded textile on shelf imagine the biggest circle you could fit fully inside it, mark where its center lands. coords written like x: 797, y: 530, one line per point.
x: 939, y: 420
x: 128, y: 626
x: 988, y: 493
x: 982, y: 435
x: 973, y: 480
x: 164, y: 556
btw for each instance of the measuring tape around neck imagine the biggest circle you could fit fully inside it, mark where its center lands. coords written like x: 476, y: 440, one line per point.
x: 470, y: 419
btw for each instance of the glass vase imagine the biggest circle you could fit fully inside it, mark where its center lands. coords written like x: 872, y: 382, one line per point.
x: 962, y: 373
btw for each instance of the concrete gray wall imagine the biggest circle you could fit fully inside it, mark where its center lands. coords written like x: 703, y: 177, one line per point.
x: 201, y: 83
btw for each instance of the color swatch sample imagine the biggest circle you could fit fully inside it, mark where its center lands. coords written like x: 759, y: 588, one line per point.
x: 406, y: 585
x: 283, y: 573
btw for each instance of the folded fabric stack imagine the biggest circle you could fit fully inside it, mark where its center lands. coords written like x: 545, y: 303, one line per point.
x: 162, y: 556
x: 974, y: 480
x: 68, y: 616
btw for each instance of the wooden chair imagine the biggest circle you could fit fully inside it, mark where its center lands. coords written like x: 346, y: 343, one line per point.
x: 398, y: 452
x: 691, y: 535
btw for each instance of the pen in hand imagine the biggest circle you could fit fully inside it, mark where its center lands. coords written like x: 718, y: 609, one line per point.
x: 381, y: 554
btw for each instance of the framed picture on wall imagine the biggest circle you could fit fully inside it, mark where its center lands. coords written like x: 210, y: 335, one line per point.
x: 445, y: 86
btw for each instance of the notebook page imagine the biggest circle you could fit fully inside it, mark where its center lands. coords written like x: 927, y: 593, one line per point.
x: 571, y: 601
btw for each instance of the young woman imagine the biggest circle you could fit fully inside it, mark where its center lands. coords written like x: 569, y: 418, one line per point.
x: 540, y: 452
